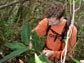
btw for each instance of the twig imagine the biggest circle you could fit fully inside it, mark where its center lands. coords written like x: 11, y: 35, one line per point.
x: 79, y: 6
x: 12, y: 3
x: 70, y: 9
x: 68, y: 35
x: 80, y: 37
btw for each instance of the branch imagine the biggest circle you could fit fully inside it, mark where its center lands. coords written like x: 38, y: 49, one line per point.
x: 80, y: 37
x: 69, y: 32
x: 65, y: 3
x: 12, y: 3
x: 68, y: 35
x: 79, y: 6
x: 70, y: 8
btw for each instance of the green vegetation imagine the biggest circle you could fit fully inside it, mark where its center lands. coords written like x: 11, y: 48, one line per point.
x: 17, y: 21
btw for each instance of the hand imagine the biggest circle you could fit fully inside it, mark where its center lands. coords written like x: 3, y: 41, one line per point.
x: 48, y: 53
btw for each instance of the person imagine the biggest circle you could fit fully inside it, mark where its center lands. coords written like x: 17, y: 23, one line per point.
x: 54, y: 40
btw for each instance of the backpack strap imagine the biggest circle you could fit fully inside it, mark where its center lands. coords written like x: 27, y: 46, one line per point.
x: 64, y: 32
x: 66, y: 27
x: 48, y: 28
x: 56, y: 34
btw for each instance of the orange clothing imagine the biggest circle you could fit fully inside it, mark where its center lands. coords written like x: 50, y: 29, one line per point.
x: 57, y: 44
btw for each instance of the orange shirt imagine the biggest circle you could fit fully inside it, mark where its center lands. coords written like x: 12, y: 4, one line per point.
x: 57, y: 44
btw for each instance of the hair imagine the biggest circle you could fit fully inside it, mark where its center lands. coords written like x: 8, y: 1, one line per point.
x: 55, y: 10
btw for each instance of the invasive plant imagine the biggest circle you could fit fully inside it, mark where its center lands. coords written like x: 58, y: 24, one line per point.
x: 22, y: 47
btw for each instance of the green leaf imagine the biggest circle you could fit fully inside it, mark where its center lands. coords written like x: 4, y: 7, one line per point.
x: 36, y: 41
x: 77, y: 1
x: 37, y: 59
x: 13, y: 54
x: 41, y: 59
x: 25, y: 33
x: 75, y: 60
x: 82, y: 28
x: 15, y: 45
x: 44, y: 59
x: 32, y: 60
x: 36, y: 13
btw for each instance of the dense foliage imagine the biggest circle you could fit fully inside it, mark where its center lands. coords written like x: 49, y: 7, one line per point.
x: 18, y: 19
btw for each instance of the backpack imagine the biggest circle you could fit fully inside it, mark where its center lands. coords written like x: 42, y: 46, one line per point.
x: 64, y: 32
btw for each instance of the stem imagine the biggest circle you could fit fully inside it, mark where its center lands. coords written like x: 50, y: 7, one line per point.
x: 12, y: 3
x: 68, y: 35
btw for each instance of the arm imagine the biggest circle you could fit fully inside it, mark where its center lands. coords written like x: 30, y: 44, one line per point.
x: 72, y: 41
x: 71, y: 44
x: 41, y: 27
x: 73, y: 37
